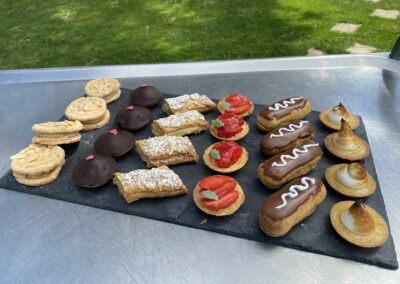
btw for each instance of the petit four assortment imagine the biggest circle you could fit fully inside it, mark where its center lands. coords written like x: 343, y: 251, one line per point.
x: 359, y: 224
x: 57, y: 132
x: 332, y: 118
x: 237, y: 104
x: 291, y: 164
x: 149, y: 183
x: 218, y: 195
x: 286, y: 110
x: 286, y: 136
x: 92, y: 112
x: 225, y: 157
x: 94, y: 171
x: 37, y: 164
x: 289, y: 144
x: 133, y: 118
x: 351, y: 180
x: 106, y: 88
x: 346, y: 145
x: 229, y: 127
x: 114, y: 143
x: 166, y: 150
x: 290, y: 205
x: 184, y: 103
x: 180, y: 124
x: 146, y: 95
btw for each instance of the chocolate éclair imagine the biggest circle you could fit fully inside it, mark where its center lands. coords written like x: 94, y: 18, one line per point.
x: 290, y: 164
x: 285, y: 110
x: 286, y: 136
x: 290, y: 205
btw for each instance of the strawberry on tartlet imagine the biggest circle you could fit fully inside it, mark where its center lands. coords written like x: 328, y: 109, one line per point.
x: 218, y: 195
x: 225, y: 157
x: 229, y: 127
x: 237, y: 104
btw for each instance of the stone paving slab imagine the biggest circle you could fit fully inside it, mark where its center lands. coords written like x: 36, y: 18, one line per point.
x: 359, y: 48
x: 386, y: 14
x: 345, y: 28
x: 315, y: 52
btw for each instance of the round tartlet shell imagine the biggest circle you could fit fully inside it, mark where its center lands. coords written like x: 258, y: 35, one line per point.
x: 331, y: 178
x: 368, y: 241
x: 244, y: 114
x: 236, y: 137
x: 354, y: 121
x: 354, y: 155
x: 233, y: 168
x: 223, y: 212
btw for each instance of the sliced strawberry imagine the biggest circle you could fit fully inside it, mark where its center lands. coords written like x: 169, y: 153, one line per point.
x: 239, y: 103
x: 227, y: 186
x: 214, y: 182
x: 229, y: 152
x: 232, y: 124
x: 223, y: 202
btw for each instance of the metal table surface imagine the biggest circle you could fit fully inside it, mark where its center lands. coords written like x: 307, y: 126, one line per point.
x: 49, y: 241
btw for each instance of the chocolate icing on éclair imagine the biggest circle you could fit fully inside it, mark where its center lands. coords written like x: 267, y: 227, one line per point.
x: 114, y: 143
x: 94, y: 171
x: 146, y: 95
x: 286, y: 134
x: 133, y: 117
x: 283, y: 108
x: 284, y: 202
x: 282, y: 164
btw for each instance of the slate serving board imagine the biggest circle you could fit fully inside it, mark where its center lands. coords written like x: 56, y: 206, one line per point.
x: 315, y: 234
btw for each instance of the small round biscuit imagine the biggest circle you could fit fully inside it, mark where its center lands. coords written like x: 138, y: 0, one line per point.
x: 113, y: 97
x: 55, y: 127
x: 98, y: 124
x: 52, y: 175
x: 86, y: 109
x: 37, y: 159
x: 102, y: 87
x: 67, y: 138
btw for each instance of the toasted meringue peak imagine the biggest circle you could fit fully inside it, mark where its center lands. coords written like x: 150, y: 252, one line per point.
x: 363, y: 221
x: 338, y: 113
x: 345, y: 138
x: 358, y: 171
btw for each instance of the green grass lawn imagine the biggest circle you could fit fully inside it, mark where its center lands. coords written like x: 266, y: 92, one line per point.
x: 49, y: 33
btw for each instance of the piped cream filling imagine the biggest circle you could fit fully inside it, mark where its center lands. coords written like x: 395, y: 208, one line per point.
x: 346, y: 179
x: 348, y: 221
x: 334, y: 116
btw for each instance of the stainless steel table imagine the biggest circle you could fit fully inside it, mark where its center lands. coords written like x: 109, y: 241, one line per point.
x: 49, y: 241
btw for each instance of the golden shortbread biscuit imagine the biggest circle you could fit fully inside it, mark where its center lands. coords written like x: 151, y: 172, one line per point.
x: 102, y: 87
x: 86, y: 109
x: 55, y: 127
x: 98, y: 124
x: 56, y: 139
x: 37, y: 159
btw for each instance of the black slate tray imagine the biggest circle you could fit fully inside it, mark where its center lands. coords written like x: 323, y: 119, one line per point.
x: 315, y: 234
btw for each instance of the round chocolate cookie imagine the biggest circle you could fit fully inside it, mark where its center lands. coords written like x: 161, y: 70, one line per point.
x: 133, y: 117
x: 94, y: 171
x: 146, y: 95
x: 114, y: 143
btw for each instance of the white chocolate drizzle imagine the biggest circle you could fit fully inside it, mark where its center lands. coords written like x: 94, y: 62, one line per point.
x: 294, y: 156
x: 293, y: 190
x: 290, y: 128
x: 285, y: 103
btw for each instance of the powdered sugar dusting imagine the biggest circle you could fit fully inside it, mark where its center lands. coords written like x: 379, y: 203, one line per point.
x: 155, y: 179
x: 178, y: 103
x: 166, y: 145
x: 181, y: 119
